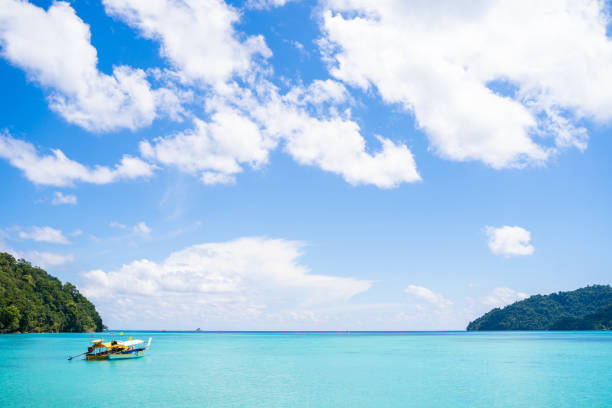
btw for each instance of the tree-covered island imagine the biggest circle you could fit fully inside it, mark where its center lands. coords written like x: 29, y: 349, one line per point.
x: 588, y: 308
x: 32, y: 301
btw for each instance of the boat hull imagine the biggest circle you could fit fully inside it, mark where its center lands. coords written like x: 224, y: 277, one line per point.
x: 116, y: 356
x: 123, y: 356
x: 96, y: 357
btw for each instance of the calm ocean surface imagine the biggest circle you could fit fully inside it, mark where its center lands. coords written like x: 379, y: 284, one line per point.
x: 422, y: 369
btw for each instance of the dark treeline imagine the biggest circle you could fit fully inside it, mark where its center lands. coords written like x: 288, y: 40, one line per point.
x: 588, y: 308
x: 600, y: 320
x: 32, y: 301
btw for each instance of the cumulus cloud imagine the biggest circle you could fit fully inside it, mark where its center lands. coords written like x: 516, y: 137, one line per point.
x: 59, y: 198
x: 198, y: 37
x: 428, y: 295
x: 191, y: 34
x: 53, y: 47
x: 44, y: 234
x: 256, y: 278
x: 214, y: 149
x: 505, y: 83
x: 509, y: 241
x: 248, y: 121
x: 500, y: 297
x: 336, y: 145
x: 327, y: 139
x: 58, y: 170
x: 218, y: 149
x: 245, y: 126
x: 481, y: 78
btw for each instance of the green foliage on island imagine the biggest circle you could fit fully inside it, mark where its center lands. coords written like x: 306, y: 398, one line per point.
x: 600, y: 320
x: 32, y: 301
x: 588, y: 308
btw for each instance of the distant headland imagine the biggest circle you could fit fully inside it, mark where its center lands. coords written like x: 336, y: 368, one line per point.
x: 32, y: 301
x: 588, y: 308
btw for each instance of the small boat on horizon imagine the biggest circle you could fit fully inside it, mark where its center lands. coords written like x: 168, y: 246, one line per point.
x: 115, y: 349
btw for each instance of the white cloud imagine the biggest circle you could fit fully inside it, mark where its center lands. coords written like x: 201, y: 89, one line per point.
x: 212, y: 178
x: 246, y: 123
x: 58, y: 170
x: 54, y: 49
x: 327, y: 139
x: 142, y: 228
x: 335, y: 144
x: 318, y: 92
x: 47, y: 259
x: 60, y: 198
x: 509, y: 241
x: 428, y: 295
x: 442, y: 60
x: 196, y: 36
x: 266, y: 4
x: 500, y: 297
x: 36, y: 258
x: 248, y: 278
x: 44, y: 234
x: 116, y: 224
x: 215, y: 149
x: 77, y: 232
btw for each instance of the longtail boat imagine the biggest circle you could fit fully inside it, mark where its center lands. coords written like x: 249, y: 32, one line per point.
x: 115, y: 349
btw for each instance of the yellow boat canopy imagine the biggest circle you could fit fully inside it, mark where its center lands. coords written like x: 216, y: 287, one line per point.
x: 109, y: 345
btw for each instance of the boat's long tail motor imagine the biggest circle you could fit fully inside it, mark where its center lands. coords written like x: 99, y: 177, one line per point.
x: 70, y: 358
x: 149, y: 343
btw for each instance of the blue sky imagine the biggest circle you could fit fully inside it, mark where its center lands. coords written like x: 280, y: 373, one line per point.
x: 304, y: 164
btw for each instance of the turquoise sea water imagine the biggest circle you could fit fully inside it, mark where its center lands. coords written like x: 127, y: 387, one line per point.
x: 414, y: 369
